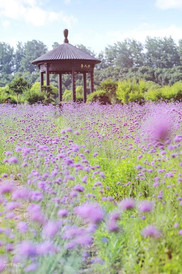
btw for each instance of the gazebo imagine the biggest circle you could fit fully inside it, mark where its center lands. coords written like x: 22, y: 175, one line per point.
x: 67, y: 59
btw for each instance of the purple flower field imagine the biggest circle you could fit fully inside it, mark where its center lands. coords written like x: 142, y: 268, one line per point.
x: 91, y: 189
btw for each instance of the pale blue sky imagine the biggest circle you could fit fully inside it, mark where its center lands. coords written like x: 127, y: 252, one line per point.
x: 94, y: 23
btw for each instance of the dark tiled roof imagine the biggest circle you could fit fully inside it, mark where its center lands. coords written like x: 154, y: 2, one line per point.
x: 65, y: 51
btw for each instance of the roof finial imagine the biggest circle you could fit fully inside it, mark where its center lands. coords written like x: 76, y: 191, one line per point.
x: 65, y: 36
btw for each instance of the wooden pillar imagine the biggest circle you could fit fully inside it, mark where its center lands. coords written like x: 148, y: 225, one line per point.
x: 60, y: 86
x: 47, y: 75
x: 73, y: 86
x: 84, y: 87
x: 41, y: 79
x: 92, y: 81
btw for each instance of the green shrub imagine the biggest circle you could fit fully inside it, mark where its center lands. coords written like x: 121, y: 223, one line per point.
x: 153, y: 95
x: 35, y: 87
x: 131, y: 91
x: 177, y: 91
x: 67, y: 95
x: 136, y: 96
x: 100, y: 96
x: 48, y: 94
x: 34, y: 95
x: 167, y: 93
x: 33, y: 98
x: 3, y: 96
x: 137, y: 91
x: 173, y: 93
x: 7, y: 96
x: 110, y: 87
x: 18, y: 86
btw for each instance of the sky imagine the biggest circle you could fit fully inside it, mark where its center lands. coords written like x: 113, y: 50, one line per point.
x: 93, y: 23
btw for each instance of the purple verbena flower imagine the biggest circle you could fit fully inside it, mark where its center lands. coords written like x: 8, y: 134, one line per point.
x: 46, y: 248
x: 90, y: 212
x: 27, y: 249
x: 151, y: 231
x: 145, y: 206
x: 13, y: 160
x: 63, y: 213
x: 79, y: 188
x: 21, y: 193
x: 36, y: 214
x: 3, y: 263
x: 22, y: 226
x: 31, y: 267
x: 6, y: 188
x: 127, y: 203
x: 112, y: 225
x: 84, y: 239
x: 51, y: 228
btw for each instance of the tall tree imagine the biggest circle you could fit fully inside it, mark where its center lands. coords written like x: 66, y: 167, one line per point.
x: 32, y: 50
x: 111, y: 55
x: 161, y: 53
x: 85, y: 49
x: 19, y: 54
x: 125, y: 54
x: 6, y: 63
x: 180, y: 50
x: 137, y: 54
x: 6, y: 58
x: 55, y: 45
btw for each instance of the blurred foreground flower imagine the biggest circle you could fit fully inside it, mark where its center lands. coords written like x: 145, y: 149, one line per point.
x: 151, y: 231
x: 158, y: 128
x: 3, y: 263
x: 145, y: 206
x: 127, y: 203
x: 90, y: 212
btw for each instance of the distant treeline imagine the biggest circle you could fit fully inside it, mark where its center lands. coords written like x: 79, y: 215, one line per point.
x: 158, y: 60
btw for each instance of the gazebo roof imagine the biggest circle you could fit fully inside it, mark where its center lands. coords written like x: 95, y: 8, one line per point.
x: 65, y: 51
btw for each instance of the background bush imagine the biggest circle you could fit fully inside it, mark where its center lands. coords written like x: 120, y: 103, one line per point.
x: 100, y: 96
x: 109, y: 92
x: 131, y: 91
x: 68, y: 96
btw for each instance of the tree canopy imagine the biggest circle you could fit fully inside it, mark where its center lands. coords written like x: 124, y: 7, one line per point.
x: 158, y: 60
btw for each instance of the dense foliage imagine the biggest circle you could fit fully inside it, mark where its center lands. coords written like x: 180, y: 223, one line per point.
x: 91, y: 189
x: 108, y: 92
x: 126, y: 91
x: 158, y: 60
